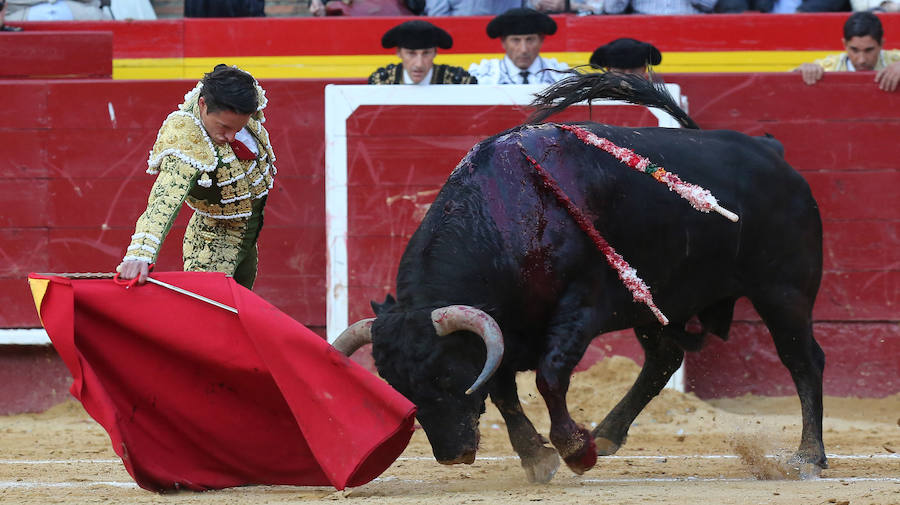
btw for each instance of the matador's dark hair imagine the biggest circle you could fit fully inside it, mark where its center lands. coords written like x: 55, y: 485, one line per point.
x: 229, y: 88
x: 863, y: 23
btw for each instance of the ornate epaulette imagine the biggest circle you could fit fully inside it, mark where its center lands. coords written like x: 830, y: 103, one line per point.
x: 833, y: 63
x: 182, y: 135
x: 390, y: 74
x: 445, y: 74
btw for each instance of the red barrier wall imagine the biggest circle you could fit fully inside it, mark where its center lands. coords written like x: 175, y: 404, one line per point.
x: 74, y: 153
x: 70, y: 54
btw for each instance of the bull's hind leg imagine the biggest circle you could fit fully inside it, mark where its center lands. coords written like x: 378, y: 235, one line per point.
x: 539, y: 461
x: 662, y: 357
x: 789, y: 318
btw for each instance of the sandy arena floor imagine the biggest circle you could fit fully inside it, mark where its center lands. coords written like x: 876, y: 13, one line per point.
x: 680, y: 450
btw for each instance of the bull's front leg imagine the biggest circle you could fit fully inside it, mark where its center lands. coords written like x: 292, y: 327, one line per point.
x: 566, y: 344
x: 539, y: 461
x: 662, y: 357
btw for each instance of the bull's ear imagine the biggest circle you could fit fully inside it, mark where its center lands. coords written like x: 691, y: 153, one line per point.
x: 379, y: 308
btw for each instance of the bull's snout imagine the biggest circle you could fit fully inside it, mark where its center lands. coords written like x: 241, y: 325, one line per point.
x: 467, y: 458
x: 466, y: 455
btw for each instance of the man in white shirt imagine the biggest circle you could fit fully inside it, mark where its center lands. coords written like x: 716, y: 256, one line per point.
x: 417, y: 43
x: 522, y: 32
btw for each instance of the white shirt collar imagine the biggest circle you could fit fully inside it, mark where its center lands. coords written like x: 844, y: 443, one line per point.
x: 247, y: 139
x: 513, y: 71
x: 424, y: 82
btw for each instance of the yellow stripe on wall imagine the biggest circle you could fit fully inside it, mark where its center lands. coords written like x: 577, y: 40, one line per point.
x: 360, y: 66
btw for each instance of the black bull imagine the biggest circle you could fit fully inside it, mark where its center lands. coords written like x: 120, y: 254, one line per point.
x: 498, y: 240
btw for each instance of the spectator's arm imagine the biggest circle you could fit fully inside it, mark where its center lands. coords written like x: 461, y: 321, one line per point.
x: 705, y: 6
x: 888, y: 77
x: 437, y: 7
x: 811, y: 72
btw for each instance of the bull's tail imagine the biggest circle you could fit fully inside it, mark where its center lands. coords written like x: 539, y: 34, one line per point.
x: 631, y: 88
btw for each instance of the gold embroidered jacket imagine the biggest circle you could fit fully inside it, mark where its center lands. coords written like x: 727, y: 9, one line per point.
x: 838, y: 62
x: 208, y: 177
x: 442, y: 74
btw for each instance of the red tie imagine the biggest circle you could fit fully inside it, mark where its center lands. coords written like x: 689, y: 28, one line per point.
x: 241, y: 151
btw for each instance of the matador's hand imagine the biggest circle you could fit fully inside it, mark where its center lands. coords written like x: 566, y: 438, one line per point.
x: 134, y: 268
x: 888, y: 77
x: 812, y: 72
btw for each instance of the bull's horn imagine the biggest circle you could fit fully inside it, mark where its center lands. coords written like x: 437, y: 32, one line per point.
x: 354, y: 337
x: 462, y: 317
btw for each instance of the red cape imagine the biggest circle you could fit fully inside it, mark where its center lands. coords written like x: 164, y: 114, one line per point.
x: 194, y: 396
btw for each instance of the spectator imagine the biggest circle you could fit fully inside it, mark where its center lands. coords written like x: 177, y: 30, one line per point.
x: 63, y: 10
x: 737, y: 6
x: 875, y: 5
x: 521, y: 32
x: 785, y: 6
x: 224, y: 8
x: 331, y: 7
x: 627, y: 56
x: 658, y: 7
x: 823, y: 6
x: 566, y: 6
x: 417, y: 43
x: 3, y: 26
x: 495, y: 7
x: 863, y: 35
x: 469, y: 7
x: 132, y: 9
x: 213, y: 154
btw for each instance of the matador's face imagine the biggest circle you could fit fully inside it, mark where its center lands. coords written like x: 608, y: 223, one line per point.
x: 863, y: 52
x: 221, y: 125
x: 417, y: 62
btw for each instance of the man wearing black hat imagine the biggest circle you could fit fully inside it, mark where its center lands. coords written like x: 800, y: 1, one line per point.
x: 522, y: 32
x: 417, y: 42
x: 627, y: 56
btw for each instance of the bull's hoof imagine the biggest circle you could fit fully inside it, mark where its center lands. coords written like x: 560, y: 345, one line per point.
x: 605, y: 447
x: 807, y: 471
x: 584, y: 459
x: 542, y: 467
x: 808, y: 467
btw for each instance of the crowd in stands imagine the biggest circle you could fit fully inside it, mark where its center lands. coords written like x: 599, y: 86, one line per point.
x: 37, y: 10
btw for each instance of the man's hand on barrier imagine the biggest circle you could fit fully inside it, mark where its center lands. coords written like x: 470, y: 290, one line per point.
x: 134, y: 268
x: 888, y: 77
x: 811, y: 72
